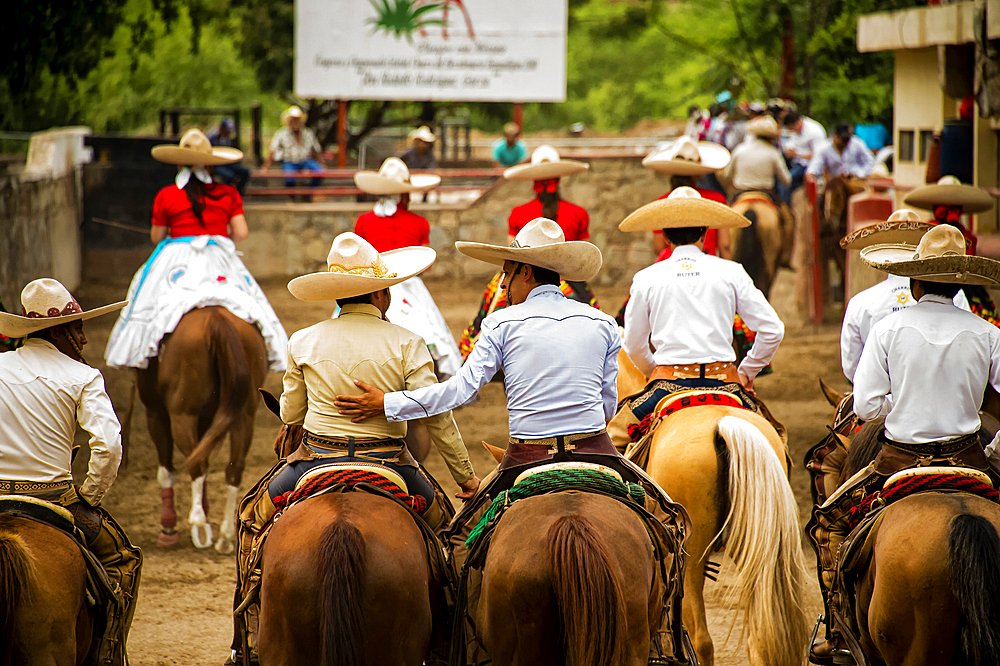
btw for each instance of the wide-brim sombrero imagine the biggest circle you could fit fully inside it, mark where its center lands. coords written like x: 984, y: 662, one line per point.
x: 713, y: 158
x: 971, y: 199
x: 905, y: 232
x: 681, y: 211
x: 897, y: 259
x: 574, y: 261
x: 16, y: 326
x: 396, y: 266
x: 545, y: 164
x: 372, y: 183
x: 173, y: 154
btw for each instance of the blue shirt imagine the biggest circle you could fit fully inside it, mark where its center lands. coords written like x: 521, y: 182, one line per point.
x: 509, y: 156
x: 856, y: 160
x: 560, y: 363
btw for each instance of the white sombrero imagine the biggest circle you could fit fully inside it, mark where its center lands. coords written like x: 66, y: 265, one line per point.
x: 685, y: 157
x: 764, y: 126
x: 354, y: 268
x: 541, y: 243
x: 422, y: 133
x: 46, y: 303
x: 949, y: 191
x: 195, y: 149
x: 545, y: 163
x: 684, y: 207
x: 293, y: 112
x: 904, y: 227
x: 939, y: 257
x: 393, y: 177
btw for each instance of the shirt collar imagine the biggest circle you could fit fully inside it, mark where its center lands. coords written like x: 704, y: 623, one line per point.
x: 543, y: 289
x: 934, y: 298
x: 686, y: 251
x: 361, y: 308
x: 38, y: 342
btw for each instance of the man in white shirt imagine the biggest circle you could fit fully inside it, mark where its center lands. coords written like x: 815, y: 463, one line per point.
x: 925, y: 369
x: 805, y: 136
x: 678, y: 323
x: 46, y: 389
x: 843, y: 154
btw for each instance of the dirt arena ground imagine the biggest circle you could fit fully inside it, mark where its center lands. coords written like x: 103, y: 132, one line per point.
x: 185, y: 602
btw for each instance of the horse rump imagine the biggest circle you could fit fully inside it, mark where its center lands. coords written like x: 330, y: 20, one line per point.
x: 17, y: 570
x: 974, y: 548
x: 341, y: 622
x: 749, y: 253
x: 589, y: 594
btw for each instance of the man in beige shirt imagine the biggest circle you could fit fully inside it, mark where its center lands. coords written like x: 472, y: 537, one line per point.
x: 757, y: 165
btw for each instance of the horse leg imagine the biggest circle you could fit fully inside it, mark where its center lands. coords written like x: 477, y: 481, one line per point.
x: 184, y: 428
x: 240, y: 438
x: 158, y: 424
x: 694, y: 616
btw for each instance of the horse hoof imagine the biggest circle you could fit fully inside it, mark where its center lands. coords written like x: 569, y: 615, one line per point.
x: 168, y: 540
x: 196, y: 535
x: 224, y: 545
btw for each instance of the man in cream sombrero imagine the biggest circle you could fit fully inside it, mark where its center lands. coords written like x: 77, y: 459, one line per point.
x: 391, y: 226
x: 925, y: 370
x: 559, y: 359
x: 46, y: 390
x: 679, y: 319
x: 295, y: 146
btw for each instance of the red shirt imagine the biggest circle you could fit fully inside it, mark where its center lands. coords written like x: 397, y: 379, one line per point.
x: 401, y: 229
x: 711, y: 236
x: 172, y: 209
x: 573, y: 219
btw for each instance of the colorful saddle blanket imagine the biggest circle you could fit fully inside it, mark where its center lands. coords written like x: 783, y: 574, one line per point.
x: 682, y: 400
x: 350, y: 474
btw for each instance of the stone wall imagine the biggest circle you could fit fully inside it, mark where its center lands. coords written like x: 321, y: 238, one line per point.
x: 294, y: 238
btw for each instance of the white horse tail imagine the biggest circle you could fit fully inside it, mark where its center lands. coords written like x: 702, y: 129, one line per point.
x: 763, y: 540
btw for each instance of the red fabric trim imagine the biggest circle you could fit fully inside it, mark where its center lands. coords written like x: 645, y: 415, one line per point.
x: 71, y: 308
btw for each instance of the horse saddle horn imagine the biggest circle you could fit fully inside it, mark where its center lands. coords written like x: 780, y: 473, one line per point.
x: 270, y: 402
x: 495, y: 451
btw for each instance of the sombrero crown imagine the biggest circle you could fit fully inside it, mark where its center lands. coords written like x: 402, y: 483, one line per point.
x: 195, y: 149
x: 685, y: 207
x: 394, y: 177
x: 949, y: 191
x: 545, y: 163
x: 46, y: 303
x: 685, y: 157
x: 939, y: 257
x: 764, y: 126
x: 541, y: 243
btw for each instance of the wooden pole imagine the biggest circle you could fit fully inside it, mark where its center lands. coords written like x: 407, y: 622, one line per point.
x: 817, y: 258
x: 519, y: 115
x: 341, y: 133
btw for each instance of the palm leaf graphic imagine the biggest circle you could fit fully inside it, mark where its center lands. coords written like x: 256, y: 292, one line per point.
x: 402, y: 18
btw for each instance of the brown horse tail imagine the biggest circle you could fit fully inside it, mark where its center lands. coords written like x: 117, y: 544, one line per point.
x: 975, y: 581
x: 17, y: 570
x: 341, y: 615
x: 588, y: 592
x: 235, y: 385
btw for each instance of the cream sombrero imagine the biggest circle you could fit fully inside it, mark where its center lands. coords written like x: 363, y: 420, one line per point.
x: 45, y: 303
x: 685, y: 157
x: 422, y: 133
x: 904, y: 227
x: 541, y: 243
x: 545, y: 163
x: 195, y: 149
x: 354, y: 268
x: 949, y: 191
x: 939, y: 257
x: 684, y: 207
x: 764, y: 126
x: 393, y: 177
x: 292, y: 112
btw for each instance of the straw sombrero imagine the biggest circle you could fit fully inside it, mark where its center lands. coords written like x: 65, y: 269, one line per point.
x: 949, y: 191
x: 393, y: 177
x: 683, y: 207
x: 904, y: 227
x: 354, y: 268
x: 46, y: 303
x: 939, y: 257
x: 541, y: 243
x: 292, y: 112
x: 545, y: 163
x: 764, y: 126
x: 422, y: 133
x: 685, y: 157
x: 195, y: 149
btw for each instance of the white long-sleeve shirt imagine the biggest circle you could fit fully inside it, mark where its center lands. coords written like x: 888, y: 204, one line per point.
x: 43, y: 395
x: 867, y: 308
x: 560, y: 363
x: 925, y: 368
x: 806, y: 141
x: 856, y: 160
x: 684, y: 306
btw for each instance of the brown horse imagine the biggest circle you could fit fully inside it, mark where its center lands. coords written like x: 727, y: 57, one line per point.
x: 44, y: 617
x: 201, y: 386
x: 758, y: 247
x: 345, y: 582
x: 567, y: 581
x: 838, y: 192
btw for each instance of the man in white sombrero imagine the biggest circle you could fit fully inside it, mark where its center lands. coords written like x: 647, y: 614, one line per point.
x: 924, y: 369
x: 559, y: 359
x: 758, y: 166
x: 391, y: 225
x: 295, y: 146
x: 46, y: 390
x: 420, y: 154
x: 679, y: 319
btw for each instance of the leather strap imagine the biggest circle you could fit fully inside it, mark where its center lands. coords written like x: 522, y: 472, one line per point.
x: 723, y: 371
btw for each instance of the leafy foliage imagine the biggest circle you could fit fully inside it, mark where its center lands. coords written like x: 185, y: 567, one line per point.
x: 402, y: 18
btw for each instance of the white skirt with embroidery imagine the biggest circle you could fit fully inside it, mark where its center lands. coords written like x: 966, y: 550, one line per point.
x: 414, y: 309
x: 183, y: 274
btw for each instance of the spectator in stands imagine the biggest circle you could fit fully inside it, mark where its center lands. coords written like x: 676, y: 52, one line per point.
x: 805, y: 136
x: 844, y: 154
x: 420, y: 155
x: 295, y: 146
x: 509, y: 150
x: 236, y: 174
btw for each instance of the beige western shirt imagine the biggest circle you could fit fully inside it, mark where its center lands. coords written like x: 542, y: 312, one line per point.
x: 326, y: 358
x: 756, y: 165
x: 43, y: 395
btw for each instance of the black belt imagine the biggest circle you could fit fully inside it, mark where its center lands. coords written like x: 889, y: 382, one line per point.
x: 944, y: 447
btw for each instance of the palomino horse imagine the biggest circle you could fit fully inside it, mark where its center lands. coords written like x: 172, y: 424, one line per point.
x: 567, y: 581
x: 200, y: 387
x: 44, y: 617
x: 758, y: 247
x: 345, y: 582
x: 728, y: 468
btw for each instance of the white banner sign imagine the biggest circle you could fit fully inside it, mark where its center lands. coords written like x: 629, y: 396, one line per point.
x: 462, y: 50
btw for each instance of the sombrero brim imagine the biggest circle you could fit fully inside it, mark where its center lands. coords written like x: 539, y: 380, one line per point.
x: 403, y: 263
x: 898, y: 259
x: 971, y: 199
x: 372, y: 183
x: 16, y: 326
x: 574, y: 261
x: 173, y: 154
x: 886, y: 233
x: 766, y: 133
x: 545, y: 170
x: 685, y: 212
x: 713, y: 158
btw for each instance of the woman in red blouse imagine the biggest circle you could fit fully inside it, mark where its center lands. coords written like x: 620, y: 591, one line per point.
x: 195, y: 264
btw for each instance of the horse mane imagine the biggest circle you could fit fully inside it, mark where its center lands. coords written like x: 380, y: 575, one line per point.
x: 17, y: 571
x: 865, y: 445
x: 341, y: 621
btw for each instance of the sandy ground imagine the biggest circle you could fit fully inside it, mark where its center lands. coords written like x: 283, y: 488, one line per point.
x: 185, y: 601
